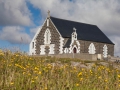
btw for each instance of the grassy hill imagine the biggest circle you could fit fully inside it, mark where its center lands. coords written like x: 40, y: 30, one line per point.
x: 22, y: 72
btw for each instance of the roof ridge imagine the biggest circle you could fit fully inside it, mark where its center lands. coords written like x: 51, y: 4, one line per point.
x: 72, y: 21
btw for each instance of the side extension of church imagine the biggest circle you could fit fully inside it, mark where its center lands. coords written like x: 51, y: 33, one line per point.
x: 59, y: 36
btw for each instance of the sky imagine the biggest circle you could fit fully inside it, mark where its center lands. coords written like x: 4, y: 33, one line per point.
x: 20, y: 19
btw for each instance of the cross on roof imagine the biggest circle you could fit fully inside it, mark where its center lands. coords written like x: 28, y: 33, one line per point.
x: 48, y: 13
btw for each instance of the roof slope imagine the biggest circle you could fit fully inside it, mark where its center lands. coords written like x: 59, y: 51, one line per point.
x: 84, y: 31
x: 67, y: 44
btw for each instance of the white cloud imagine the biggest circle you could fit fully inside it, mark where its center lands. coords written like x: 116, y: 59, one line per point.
x: 117, y: 44
x: 33, y: 31
x: 14, y: 34
x: 14, y: 12
x: 103, y: 13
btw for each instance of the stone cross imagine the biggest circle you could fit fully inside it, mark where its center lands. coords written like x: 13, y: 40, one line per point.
x: 48, y: 13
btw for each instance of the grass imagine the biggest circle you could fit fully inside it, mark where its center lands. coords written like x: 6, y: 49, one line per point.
x: 22, y: 72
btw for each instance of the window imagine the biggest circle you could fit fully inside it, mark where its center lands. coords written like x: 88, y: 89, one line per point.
x: 75, y: 36
x: 47, y: 37
x: 32, y: 44
x: 66, y: 50
x: 91, y: 49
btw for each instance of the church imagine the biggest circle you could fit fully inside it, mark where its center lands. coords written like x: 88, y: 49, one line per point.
x: 61, y: 36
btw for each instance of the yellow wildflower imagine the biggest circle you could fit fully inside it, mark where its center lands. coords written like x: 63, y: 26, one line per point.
x: 77, y: 84
x: 118, y: 76
x: 32, y: 81
x: 99, y: 77
x: 81, y: 79
x: 79, y: 74
x: 29, y: 74
x: 45, y: 88
x: 106, y: 80
x: 39, y: 72
x: 12, y: 83
x: 23, y: 72
x: 91, y: 71
x: 36, y: 68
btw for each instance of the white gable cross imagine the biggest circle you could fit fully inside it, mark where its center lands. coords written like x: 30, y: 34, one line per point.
x: 48, y: 13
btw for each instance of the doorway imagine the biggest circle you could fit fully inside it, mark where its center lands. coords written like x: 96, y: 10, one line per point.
x: 74, y: 50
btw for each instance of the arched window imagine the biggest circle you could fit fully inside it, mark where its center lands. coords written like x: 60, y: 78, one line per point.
x: 47, y: 37
x: 105, y: 51
x: 32, y: 44
x: 91, y: 49
x: 66, y: 50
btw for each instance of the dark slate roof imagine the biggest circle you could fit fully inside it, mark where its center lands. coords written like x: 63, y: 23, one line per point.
x: 84, y: 31
x: 67, y: 44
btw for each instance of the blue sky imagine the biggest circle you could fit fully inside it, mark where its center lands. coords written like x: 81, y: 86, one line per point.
x: 20, y: 19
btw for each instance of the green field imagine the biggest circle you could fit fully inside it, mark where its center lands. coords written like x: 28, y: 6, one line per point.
x: 22, y: 72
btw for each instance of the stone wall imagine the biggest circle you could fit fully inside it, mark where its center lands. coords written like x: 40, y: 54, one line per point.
x: 84, y: 45
x: 54, y: 38
x: 82, y: 56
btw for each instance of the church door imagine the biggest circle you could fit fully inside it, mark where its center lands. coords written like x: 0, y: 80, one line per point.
x: 74, y: 50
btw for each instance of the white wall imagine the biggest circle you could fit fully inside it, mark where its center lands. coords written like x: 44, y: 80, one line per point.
x: 32, y: 50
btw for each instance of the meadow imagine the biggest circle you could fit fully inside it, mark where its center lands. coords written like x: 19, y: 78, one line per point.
x: 22, y: 72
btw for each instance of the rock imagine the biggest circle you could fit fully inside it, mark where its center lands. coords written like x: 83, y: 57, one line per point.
x: 83, y: 66
x: 90, y: 65
x: 79, y: 65
x: 104, y: 63
x: 75, y: 64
